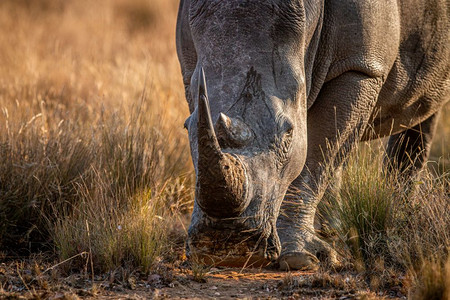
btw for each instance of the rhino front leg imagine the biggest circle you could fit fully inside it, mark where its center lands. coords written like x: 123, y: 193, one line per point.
x: 336, y: 122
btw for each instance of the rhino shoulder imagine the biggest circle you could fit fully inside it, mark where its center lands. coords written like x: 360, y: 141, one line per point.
x: 364, y: 36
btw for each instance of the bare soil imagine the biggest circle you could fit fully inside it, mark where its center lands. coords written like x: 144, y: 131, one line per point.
x: 29, y: 279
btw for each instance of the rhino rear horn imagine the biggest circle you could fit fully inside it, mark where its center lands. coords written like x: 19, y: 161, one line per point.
x: 232, y: 132
x: 221, y: 177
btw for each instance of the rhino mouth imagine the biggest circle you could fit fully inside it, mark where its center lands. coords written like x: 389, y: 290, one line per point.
x: 233, y: 244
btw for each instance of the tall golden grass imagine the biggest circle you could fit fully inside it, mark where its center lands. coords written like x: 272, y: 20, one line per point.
x: 93, y: 156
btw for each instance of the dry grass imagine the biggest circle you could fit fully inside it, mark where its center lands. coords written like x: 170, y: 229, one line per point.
x: 91, y: 136
x: 94, y: 159
x: 384, y: 226
x: 432, y: 281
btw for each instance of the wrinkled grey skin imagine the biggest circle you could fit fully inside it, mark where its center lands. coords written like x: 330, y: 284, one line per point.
x: 304, y: 80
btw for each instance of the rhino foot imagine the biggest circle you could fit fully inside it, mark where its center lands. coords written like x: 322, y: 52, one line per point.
x: 298, y: 261
x: 308, y: 254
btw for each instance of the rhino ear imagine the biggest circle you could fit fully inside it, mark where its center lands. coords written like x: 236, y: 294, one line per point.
x: 187, y: 122
x: 232, y: 132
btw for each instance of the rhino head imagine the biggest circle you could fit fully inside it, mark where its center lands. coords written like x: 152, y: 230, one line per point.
x: 247, y: 129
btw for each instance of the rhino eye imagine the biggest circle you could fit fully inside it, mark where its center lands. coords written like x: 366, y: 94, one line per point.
x: 286, y: 140
x: 288, y: 133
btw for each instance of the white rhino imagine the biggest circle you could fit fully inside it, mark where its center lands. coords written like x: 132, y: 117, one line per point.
x: 292, y: 86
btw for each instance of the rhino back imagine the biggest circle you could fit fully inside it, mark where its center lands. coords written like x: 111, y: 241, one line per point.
x: 418, y: 83
x: 405, y: 43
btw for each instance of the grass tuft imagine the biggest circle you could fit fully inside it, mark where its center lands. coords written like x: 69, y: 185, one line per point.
x: 363, y: 207
x: 386, y: 226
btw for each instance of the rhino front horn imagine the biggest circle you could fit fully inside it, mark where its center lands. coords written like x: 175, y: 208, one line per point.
x: 221, y: 190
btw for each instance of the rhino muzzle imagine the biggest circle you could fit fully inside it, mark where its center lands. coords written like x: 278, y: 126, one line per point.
x: 222, y: 183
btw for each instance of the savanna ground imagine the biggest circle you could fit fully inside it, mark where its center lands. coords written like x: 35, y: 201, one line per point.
x: 96, y: 180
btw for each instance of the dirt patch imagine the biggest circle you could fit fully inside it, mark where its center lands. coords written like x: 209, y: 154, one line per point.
x: 33, y: 280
